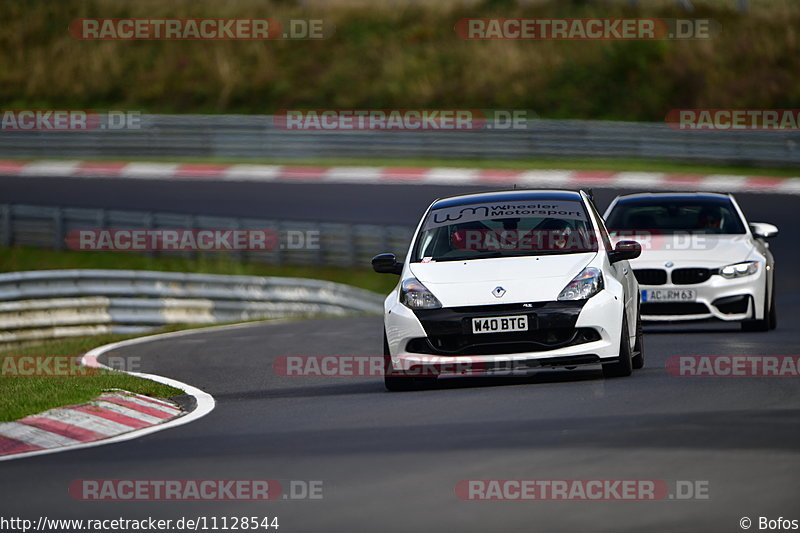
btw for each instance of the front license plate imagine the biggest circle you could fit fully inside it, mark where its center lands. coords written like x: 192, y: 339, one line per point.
x: 669, y: 295
x: 499, y: 324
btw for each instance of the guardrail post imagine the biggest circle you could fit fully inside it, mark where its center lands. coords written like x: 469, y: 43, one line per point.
x: 279, y: 248
x: 351, y: 245
x: 237, y: 254
x: 383, y: 240
x: 58, y: 229
x: 5, y: 220
x: 320, y: 255
x: 147, y: 220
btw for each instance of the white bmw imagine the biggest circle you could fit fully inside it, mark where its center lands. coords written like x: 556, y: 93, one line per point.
x: 701, y: 259
x: 510, y: 281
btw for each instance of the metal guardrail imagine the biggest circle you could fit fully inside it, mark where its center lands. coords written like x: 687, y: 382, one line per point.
x: 343, y: 245
x: 257, y: 136
x: 49, y: 304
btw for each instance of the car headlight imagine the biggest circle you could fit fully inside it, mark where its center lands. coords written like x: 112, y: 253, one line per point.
x: 415, y: 295
x: 585, y: 285
x: 739, y: 270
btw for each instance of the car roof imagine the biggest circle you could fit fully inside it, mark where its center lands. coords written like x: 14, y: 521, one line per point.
x: 507, y: 196
x: 673, y: 196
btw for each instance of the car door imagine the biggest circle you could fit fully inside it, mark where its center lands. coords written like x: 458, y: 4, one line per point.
x: 622, y: 272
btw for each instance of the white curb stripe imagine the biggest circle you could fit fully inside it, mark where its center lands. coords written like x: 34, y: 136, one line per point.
x: 251, y: 172
x: 545, y: 178
x: 33, y: 435
x: 353, y: 174
x: 412, y: 175
x: 125, y: 411
x: 451, y: 176
x: 85, y: 420
x: 50, y: 168
x: 636, y: 180
x: 168, y: 409
x: 149, y: 170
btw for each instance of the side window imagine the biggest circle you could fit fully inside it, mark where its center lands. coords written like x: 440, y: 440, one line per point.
x: 602, y: 227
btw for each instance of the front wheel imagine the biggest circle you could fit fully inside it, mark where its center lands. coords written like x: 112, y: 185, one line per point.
x: 638, y: 348
x: 770, y: 320
x: 624, y: 366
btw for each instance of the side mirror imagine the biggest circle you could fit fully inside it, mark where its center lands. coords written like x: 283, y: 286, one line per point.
x: 625, y: 251
x: 386, y: 264
x: 762, y: 230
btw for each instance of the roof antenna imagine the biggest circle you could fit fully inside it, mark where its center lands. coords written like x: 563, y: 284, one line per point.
x: 515, y: 186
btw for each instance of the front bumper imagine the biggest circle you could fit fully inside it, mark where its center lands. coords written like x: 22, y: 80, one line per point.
x: 730, y: 300
x: 559, y: 334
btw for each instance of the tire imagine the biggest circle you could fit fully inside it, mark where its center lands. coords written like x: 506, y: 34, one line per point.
x: 624, y: 366
x: 773, y: 310
x: 638, y: 348
x: 395, y: 382
x: 770, y: 320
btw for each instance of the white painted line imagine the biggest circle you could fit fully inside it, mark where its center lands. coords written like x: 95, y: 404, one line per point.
x: 33, y: 435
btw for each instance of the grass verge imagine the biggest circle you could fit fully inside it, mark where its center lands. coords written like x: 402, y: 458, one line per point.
x: 24, y: 395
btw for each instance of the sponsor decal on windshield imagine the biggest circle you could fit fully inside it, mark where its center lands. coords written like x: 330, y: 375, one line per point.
x: 525, y: 209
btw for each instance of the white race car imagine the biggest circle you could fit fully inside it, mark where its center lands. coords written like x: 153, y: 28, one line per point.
x: 700, y: 260
x: 510, y: 281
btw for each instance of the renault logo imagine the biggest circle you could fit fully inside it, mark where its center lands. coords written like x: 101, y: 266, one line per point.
x: 498, y: 292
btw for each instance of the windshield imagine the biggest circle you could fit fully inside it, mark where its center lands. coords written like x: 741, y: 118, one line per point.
x: 508, y: 229
x: 661, y: 216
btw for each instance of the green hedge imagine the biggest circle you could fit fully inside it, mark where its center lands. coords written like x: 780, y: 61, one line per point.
x: 396, y: 54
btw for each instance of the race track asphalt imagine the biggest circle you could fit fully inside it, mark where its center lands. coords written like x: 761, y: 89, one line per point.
x: 391, y: 461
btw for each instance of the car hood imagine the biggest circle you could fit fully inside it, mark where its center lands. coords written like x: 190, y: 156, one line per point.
x: 525, y: 279
x: 693, y: 250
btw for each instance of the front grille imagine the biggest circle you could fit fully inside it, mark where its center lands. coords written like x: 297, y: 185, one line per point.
x: 674, y: 308
x: 690, y: 276
x: 650, y: 276
x: 502, y: 343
